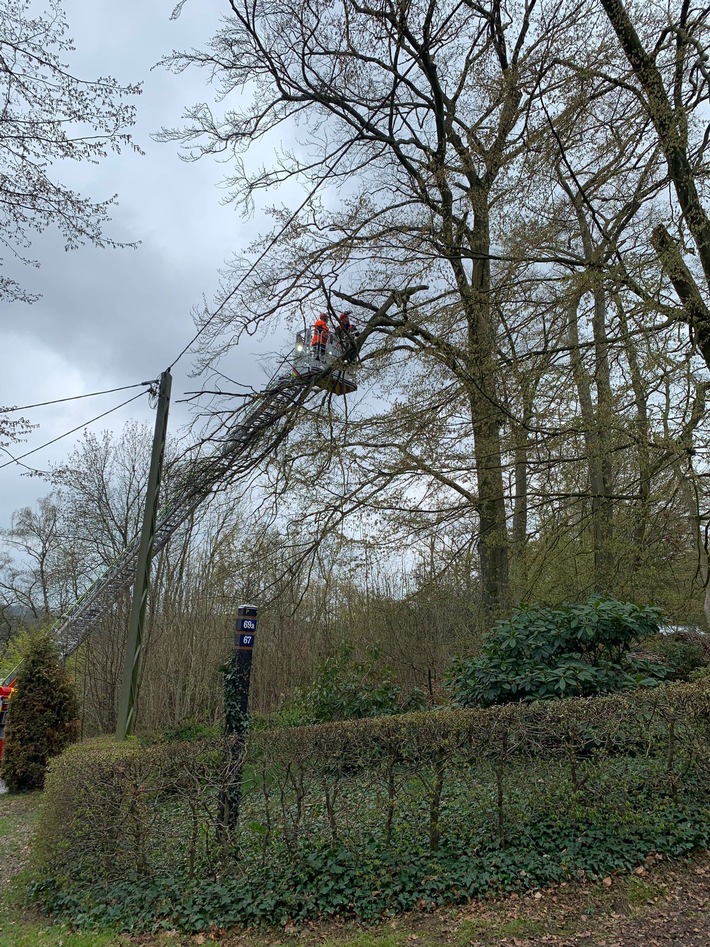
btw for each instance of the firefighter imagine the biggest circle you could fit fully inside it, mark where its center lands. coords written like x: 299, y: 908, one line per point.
x: 320, y: 336
x: 346, y: 324
x: 346, y: 334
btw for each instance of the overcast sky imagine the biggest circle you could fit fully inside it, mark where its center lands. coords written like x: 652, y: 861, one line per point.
x: 114, y: 317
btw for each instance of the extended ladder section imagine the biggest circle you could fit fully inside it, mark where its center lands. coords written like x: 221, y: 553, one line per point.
x: 253, y: 434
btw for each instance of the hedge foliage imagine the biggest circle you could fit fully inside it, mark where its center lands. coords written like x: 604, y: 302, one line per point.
x: 372, y: 816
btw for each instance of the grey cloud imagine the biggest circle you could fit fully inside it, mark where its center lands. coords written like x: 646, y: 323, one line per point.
x: 108, y: 317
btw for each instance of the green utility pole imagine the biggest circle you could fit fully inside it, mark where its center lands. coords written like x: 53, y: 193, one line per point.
x: 129, y: 685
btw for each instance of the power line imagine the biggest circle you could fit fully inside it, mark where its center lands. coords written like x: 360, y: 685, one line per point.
x: 91, y: 394
x: 54, y: 440
x: 269, y: 247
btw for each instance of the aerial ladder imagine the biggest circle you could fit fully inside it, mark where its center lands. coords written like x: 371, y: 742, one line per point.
x: 254, y: 432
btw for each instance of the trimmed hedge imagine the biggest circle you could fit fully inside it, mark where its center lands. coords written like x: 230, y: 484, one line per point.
x: 370, y: 816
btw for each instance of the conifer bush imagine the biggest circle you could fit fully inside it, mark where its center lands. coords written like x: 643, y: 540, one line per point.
x: 43, y: 718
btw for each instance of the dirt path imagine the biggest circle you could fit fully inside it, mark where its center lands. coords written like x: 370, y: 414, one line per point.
x: 659, y: 905
x: 678, y: 916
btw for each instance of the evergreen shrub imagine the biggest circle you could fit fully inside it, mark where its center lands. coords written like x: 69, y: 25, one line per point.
x: 346, y: 689
x: 574, y: 650
x: 42, y: 719
x: 681, y: 653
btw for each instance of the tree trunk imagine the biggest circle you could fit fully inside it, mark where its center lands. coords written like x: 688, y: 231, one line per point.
x: 643, y: 437
x: 598, y: 488
x: 688, y: 486
x: 486, y: 419
x: 519, y: 535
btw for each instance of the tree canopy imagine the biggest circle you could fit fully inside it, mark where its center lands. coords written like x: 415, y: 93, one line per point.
x: 510, y: 163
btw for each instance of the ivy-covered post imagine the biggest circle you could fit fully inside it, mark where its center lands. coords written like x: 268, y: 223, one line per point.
x: 236, y: 719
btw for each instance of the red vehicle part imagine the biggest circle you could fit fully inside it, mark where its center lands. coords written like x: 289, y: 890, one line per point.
x: 5, y: 695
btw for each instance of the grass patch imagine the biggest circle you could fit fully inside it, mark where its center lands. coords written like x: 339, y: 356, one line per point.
x: 18, y: 927
x: 496, y: 929
x: 24, y: 934
x: 639, y: 894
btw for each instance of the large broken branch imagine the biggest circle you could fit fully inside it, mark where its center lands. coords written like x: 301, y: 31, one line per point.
x: 694, y: 306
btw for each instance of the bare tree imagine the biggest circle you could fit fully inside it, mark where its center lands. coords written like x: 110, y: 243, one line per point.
x: 32, y: 581
x: 47, y: 115
x: 668, y: 56
x: 421, y: 117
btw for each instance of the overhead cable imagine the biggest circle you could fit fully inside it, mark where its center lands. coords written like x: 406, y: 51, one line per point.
x: 269, y: 247
x: 91, y: 394
x: 54, y: 440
